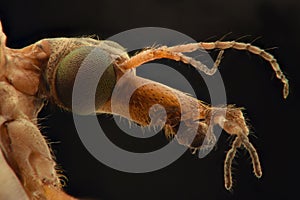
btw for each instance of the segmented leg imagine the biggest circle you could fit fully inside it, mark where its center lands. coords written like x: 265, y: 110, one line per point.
x: 23, y: 146
x: 175, y: 53
x: 11, y: 188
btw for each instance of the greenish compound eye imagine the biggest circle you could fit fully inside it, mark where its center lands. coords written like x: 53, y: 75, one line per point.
x: 67, y: 71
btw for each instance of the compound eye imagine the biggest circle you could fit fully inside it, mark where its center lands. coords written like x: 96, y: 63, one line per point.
x: 93, y: 58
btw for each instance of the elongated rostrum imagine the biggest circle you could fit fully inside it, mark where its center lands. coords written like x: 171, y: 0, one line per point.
x: 46, y: 71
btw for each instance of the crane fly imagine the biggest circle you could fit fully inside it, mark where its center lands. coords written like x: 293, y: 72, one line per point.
x: 45, y: 71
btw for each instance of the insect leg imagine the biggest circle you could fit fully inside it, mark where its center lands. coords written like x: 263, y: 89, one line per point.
x: 20, y: 141
x: 24, y: 148
x: 11, y: 187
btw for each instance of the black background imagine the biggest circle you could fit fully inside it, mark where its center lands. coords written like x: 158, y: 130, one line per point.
x: 249, y: 83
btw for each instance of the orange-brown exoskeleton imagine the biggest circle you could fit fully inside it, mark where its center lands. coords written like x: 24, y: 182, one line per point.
x: 46, y: 71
